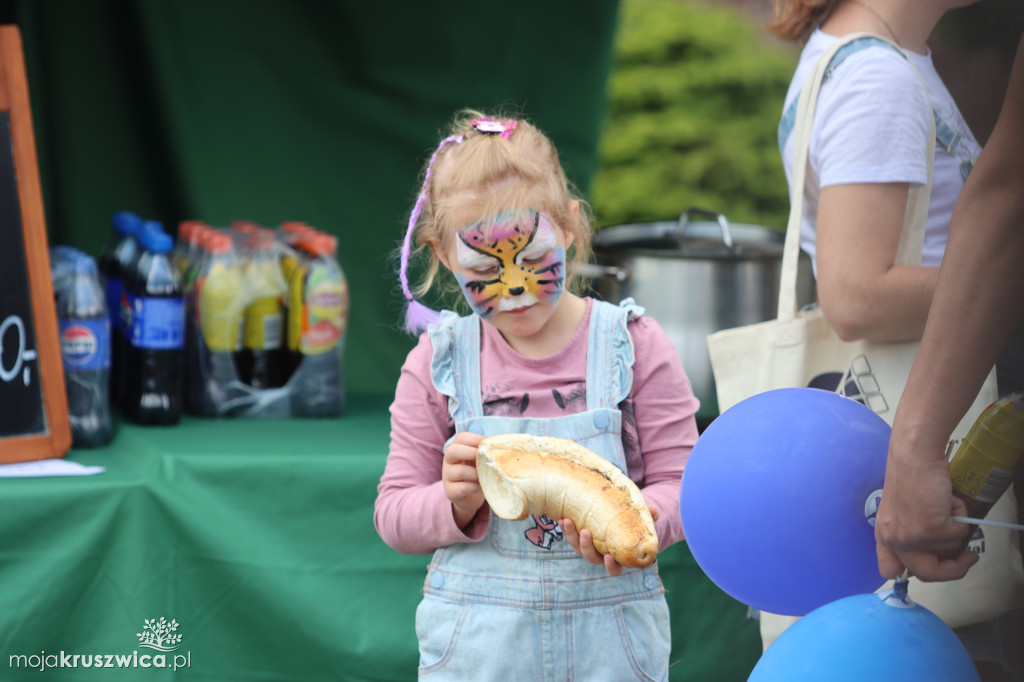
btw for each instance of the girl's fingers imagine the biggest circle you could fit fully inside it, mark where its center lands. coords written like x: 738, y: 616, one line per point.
x: 461, y: 473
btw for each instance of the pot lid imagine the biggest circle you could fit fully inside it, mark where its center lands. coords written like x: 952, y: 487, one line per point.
x: 689, y: 238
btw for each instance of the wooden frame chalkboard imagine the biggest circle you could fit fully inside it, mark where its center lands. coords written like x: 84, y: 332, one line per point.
x: 33, y: 402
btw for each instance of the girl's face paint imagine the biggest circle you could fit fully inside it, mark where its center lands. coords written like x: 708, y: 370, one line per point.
x: 511, y: 266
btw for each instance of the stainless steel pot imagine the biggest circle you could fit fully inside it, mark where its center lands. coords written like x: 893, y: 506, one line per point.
x: 695, y: 277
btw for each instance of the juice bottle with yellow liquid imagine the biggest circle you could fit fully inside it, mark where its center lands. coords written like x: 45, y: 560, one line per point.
x: 318, y: 303
x: 261, y: 361
x: 290, y: 256
x: 220, y: 301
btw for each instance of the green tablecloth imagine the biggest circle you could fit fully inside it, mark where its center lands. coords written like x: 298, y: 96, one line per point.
x: 257, y: 538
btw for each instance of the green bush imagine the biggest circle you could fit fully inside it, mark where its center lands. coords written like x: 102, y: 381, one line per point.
x: 694, y: 99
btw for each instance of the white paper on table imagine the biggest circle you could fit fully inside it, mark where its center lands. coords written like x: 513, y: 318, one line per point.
x: 48, y: 467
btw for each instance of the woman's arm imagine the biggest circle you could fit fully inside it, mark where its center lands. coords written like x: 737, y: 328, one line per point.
x: 863, y: 294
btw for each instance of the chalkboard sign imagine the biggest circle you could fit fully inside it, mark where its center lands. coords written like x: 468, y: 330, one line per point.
x: 33, y: 403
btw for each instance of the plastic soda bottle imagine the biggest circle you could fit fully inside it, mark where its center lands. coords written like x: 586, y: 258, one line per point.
x: 155, y: 363
x: 317, y: 318
x: 183, y: 245
x: 62, y: 259
x: 990, y: 456
x: 220, y: 301
x: 194, y: 372
x: 85, y: 346
x: 115, y: 263
x: 261, y: 361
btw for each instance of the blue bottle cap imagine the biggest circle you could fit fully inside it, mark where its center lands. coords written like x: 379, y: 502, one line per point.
x: 126, y: 222
x: 63, y: 252
x: 84, y: 264
x: 153, y: 238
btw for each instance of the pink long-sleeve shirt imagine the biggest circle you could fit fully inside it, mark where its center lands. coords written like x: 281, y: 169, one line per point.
x: 412, y: 514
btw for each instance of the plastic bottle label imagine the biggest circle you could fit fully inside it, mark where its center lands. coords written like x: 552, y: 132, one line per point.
x: 157, y: 323
x: 990, y: 456
x: 264, y: 324
x: 326, y: 309
x: 220, y: 309
x: 85, y: 343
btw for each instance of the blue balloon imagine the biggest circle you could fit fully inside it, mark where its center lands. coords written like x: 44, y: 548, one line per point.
x: 773, y: 499
x: 865, y: 638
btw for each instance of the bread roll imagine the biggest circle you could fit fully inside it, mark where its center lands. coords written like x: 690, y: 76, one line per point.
x: 522, y: 475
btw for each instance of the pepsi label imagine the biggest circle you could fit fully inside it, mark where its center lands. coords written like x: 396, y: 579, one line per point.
x: 85, y: 344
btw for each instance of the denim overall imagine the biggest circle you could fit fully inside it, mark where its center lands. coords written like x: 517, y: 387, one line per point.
x: 521, y: 604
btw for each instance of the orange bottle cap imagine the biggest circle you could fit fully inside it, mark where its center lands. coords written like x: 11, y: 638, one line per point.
x: 218, y: 242
x: 187, y: 227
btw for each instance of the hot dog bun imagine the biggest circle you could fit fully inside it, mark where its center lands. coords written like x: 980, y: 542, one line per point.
x: 522, y: 475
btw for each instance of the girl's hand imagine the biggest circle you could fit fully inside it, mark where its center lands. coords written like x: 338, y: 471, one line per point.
x: 458, y: 475
x: 583, y: 542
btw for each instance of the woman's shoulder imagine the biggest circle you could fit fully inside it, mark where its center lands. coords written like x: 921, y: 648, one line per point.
x: 870, y: 62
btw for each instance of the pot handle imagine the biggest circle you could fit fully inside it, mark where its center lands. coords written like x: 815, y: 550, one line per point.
x: 594, y: 271
x: 723, y: 224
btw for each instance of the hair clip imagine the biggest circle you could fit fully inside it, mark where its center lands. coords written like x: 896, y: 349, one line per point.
x: 490, y: 126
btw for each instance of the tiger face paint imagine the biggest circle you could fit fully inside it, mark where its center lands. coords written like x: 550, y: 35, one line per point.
x: 511, y: 265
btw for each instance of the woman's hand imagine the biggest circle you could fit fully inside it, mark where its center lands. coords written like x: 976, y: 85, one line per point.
x: 458, y: 475
x: 583, y: 542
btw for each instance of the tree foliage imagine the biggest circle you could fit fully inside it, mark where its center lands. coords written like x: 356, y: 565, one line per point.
x: 695, y: 95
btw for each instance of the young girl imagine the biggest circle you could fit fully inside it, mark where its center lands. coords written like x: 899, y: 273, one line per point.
x: 533, y: 599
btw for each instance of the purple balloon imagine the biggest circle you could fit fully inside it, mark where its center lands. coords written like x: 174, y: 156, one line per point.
x: 773, y: 499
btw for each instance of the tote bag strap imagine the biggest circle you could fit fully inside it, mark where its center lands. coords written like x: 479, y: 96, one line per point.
x: 912, y: 235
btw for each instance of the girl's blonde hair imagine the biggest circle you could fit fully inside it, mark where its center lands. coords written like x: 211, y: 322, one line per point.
x: 796, y: 19
x: 476, y: 175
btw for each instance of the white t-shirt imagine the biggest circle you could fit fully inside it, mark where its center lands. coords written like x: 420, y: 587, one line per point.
x: 871, y: 125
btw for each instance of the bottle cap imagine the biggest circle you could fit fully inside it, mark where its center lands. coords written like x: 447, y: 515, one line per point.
x: 198, y: 233
x: 261, y: 241
x: 84, y: 264
x: 321, y: 244
x: 186, y: 228
x: 126, y: 222
x: 153, y: 238
x: 293, y: 231
x: 244, y: 226
x: 218, y: 242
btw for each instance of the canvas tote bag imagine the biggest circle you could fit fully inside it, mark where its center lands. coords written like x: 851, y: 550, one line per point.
x: 799, y: 348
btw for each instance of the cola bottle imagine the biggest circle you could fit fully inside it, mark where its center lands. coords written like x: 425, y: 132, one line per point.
x: 155, y: 362
x: 84, y: 328
x: 115, y: 260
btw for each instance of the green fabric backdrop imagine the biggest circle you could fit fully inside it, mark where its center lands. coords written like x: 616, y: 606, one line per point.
x: 315, y: 110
